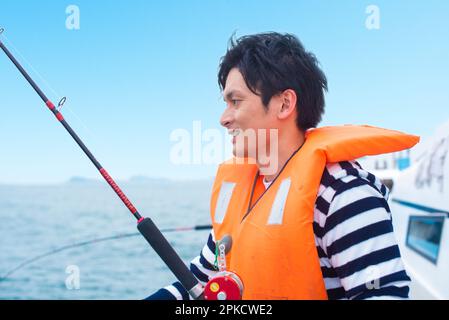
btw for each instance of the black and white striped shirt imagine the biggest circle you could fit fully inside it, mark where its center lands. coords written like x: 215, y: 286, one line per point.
x: 358, y: 252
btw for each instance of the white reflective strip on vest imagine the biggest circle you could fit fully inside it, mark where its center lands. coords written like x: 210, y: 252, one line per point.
x: 224, y: 197
x: 277, y: 210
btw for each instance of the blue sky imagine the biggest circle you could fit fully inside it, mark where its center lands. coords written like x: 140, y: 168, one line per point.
x: 137, y: 70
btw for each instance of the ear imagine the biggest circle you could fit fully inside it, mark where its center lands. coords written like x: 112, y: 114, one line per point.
x: 288, y: 99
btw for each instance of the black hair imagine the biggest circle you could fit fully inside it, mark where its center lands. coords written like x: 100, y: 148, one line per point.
x: 272, y: 63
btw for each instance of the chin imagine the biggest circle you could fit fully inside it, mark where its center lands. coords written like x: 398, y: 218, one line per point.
x: 244, y: 153
x: 238, y: 152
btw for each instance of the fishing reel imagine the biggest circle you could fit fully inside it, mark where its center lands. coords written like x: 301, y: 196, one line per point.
x: 226, y: 285
x: 223, y: 287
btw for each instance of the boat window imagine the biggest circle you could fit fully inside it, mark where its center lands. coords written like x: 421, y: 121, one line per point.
x: 424, y: 235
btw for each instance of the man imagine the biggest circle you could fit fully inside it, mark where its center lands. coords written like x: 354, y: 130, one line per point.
x: 304, y: 223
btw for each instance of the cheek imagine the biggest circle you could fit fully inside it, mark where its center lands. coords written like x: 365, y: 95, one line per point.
x: 250, y: 118
x: 242, y: 118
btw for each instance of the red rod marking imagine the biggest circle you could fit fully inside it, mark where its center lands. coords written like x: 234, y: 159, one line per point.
x: 50, y: 105
x: 59, y: 116
x: 117, y: 190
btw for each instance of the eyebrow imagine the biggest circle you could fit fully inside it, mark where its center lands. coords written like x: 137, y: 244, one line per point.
x: 231, y: 93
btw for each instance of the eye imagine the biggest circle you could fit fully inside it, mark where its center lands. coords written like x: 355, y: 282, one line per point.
x: 235, y: 102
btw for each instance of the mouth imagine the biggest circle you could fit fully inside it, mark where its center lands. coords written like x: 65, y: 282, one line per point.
x: 234, y: 133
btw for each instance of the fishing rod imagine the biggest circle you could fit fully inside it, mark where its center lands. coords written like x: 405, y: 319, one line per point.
x: 145, y: 226
x: 93, y: 241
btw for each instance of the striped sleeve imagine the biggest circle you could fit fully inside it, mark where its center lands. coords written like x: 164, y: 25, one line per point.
x: 358, y: 239
x: 201, y: 266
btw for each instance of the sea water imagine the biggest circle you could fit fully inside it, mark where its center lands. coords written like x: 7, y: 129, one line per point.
x: 38, y: 219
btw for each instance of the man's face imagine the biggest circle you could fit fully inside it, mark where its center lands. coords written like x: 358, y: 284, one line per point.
x: 245, y: 115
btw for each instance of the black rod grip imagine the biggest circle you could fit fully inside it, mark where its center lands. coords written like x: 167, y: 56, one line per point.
x: 160, y: 244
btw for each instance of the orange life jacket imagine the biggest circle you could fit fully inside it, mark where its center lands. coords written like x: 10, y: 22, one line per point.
x: 273, y: 243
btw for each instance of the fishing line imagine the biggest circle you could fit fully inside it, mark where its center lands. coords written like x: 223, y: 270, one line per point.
x: 146, y: 226
x: 90, y: 242
x: 47, y: 84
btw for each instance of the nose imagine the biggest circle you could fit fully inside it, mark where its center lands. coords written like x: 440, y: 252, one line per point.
x: 226, y: 118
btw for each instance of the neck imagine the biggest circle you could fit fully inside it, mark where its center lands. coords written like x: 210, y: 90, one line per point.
x: 277, y: 159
